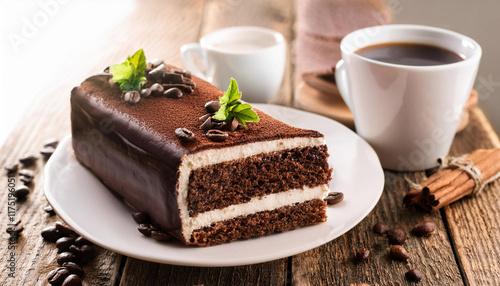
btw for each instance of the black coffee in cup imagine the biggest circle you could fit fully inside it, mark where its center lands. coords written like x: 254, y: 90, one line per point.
x: 411, y: 54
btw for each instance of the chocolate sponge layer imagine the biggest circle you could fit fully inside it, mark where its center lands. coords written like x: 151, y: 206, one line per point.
x: 235, y: 182
x: 262, y: 223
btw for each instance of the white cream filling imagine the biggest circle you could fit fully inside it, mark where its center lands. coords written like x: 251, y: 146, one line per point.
x: 269, y: 202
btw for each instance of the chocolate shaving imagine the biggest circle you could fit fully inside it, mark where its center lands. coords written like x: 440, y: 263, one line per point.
x: 169, y: 77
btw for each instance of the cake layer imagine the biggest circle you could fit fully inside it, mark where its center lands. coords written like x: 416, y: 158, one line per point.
x: 238, y: 181
x: 262, y: 223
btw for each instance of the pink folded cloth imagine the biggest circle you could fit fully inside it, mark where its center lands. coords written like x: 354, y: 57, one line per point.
x: 321, y: 25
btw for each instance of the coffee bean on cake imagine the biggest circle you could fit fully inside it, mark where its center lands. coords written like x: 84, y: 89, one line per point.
x: 379, y: 228
x: 184, y: 134
x: 207, y: 125
x: 156, y: 89
x: 423, y: 229
x: 212, y: 106
x: 144, y: 229
x: 161, y: 236
x: 334, y: 198
x: 145, y: 92
x: 217, y: 135
x: 205, y: 117
x: 174, y: 92
x: 132, y: 97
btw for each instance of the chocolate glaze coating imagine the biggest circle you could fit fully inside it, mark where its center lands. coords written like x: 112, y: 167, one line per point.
x: 133, y: 148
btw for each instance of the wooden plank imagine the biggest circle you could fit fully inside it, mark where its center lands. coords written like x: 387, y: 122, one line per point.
x: 147, y: 273
x: 275, y: 15
x: 334, y: 264
x: 152, y: 25
x: 474, y: 222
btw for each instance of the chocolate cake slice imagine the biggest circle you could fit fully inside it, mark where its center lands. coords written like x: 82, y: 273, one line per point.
x: 264, y: 178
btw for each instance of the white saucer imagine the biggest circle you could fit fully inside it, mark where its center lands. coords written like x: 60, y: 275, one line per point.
x: 83, y: 202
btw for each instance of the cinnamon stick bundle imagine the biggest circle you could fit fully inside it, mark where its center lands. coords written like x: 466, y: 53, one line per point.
x: 459, y: 177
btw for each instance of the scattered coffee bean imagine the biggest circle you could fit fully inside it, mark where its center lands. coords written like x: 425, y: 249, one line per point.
x: 173, y: 93
x: 26, y: 180
x: 11, y: 168
x: 160, y: 236
x: 207, y: 125
x: 144, y: 229
x: 205, y: 117
x: 413, y: 275
x: 75, y: 250
x: 21, y: 192
x: 334, y: 198
x: 184, y: 134
x: 216, y: 135
x: 84, y: 253
x: 234, y: 125
x: 132, y: 97
x: 145, y: 92
x: 48, y: 209
x: 51, y: 234
x: 66, y: 257
x: 362, y: 254
x: 72, y: 280
x: 15, y: 230
x: 74, y: 268
x: 155, y: 62
x: 26, y: 173
x: 28, y: 160
x: 379, y: 228
x: 396, y: 235
x: 424, y: 229
x: 52, y: 142
x: 157, y: 89
x: 399, y: 253
x: 80, y: 241
x: 57, y: 276
x: 212, y: 106
x: 47, y: 152
x: 64, y: 230
x: 140, y: 217
x: 64, y: 243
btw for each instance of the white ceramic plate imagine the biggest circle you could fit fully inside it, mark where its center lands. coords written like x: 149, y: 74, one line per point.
x: 83, y: 202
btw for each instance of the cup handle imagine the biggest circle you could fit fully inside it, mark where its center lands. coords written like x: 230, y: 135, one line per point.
x: 197, y: 50
x: 343, y: 83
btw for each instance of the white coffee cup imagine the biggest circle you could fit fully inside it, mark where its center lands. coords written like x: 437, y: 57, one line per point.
x: 254, y: 56
x: 409, y: 114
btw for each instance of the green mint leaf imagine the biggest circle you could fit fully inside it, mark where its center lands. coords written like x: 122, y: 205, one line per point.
x: 231, y: 106
x: 222, y: 113
x: 130, y: 74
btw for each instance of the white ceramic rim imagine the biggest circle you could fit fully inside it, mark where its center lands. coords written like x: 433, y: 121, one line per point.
x: 348, y: 49
x: 278, y: 38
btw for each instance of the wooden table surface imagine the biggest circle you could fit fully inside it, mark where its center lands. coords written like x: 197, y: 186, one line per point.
x: 465, y: 248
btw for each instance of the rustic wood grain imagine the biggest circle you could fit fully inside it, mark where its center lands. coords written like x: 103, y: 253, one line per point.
x: 147, y: 273
x: 474, y: 222
x: 334, y: 264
